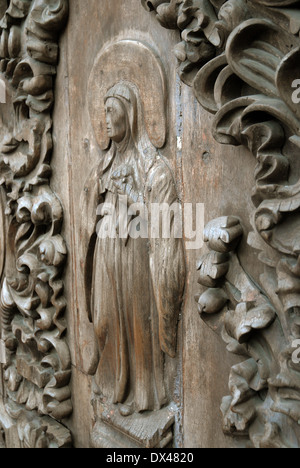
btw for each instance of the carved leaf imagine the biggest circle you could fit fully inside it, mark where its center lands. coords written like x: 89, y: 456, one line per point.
x: 287, y: 74
x: 251, y: 85
x: 245, y: 319
x: 254, y: 55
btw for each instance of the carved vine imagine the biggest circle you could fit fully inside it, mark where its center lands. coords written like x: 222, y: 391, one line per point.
x: 241, y: 59
x: 38, y: 367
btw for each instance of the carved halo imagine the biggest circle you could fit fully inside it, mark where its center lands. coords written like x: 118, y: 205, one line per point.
x: 134, y: 61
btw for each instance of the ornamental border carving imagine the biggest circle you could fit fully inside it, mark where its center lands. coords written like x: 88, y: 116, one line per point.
x: 36, y: 361
x: 241, y: 57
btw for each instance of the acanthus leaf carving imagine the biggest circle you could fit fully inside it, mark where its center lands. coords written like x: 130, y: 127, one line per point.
x: 248, y: 84
x: 37, y: 367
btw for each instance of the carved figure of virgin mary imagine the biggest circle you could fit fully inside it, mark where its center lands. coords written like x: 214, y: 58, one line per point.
x: 134, y: 285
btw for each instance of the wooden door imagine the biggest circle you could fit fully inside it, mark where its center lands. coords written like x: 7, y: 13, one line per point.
x: 129, y: 129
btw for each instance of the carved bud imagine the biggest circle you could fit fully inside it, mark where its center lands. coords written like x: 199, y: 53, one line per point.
x: 267, y: 218
x: 223, y: 234
x: 14, y: 42
x: 213, y: 267
x: 212, y: 301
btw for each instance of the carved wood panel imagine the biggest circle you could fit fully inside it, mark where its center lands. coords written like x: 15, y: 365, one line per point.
x: 35, y: 357
x: 97, y: 336
x: 124, y: 335
x: 241, y: 59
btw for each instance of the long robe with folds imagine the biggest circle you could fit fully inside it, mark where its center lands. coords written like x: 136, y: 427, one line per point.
x: 137, y: 288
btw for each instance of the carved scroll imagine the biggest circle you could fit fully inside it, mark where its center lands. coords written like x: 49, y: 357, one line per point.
x: 36, y: 365
x: 242, y: 60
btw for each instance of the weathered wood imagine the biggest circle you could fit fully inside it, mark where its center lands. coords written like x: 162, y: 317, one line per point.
x: 103, y: 334
x: 245, y: 73
x: 35, y: 358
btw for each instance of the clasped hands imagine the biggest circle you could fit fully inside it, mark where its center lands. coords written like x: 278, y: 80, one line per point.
x: 124, y: 180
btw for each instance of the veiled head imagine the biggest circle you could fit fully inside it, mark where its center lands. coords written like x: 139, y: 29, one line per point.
x: 116, y: 119
x: 124, y: 118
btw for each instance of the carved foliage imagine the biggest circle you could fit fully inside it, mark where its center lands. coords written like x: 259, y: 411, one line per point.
x: 37, y: 369
x: 246, y: 79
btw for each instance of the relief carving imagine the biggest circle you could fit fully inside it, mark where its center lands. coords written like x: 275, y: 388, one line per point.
x: 36, y: 358
x: 248, y: 59
x: 135, y: 288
